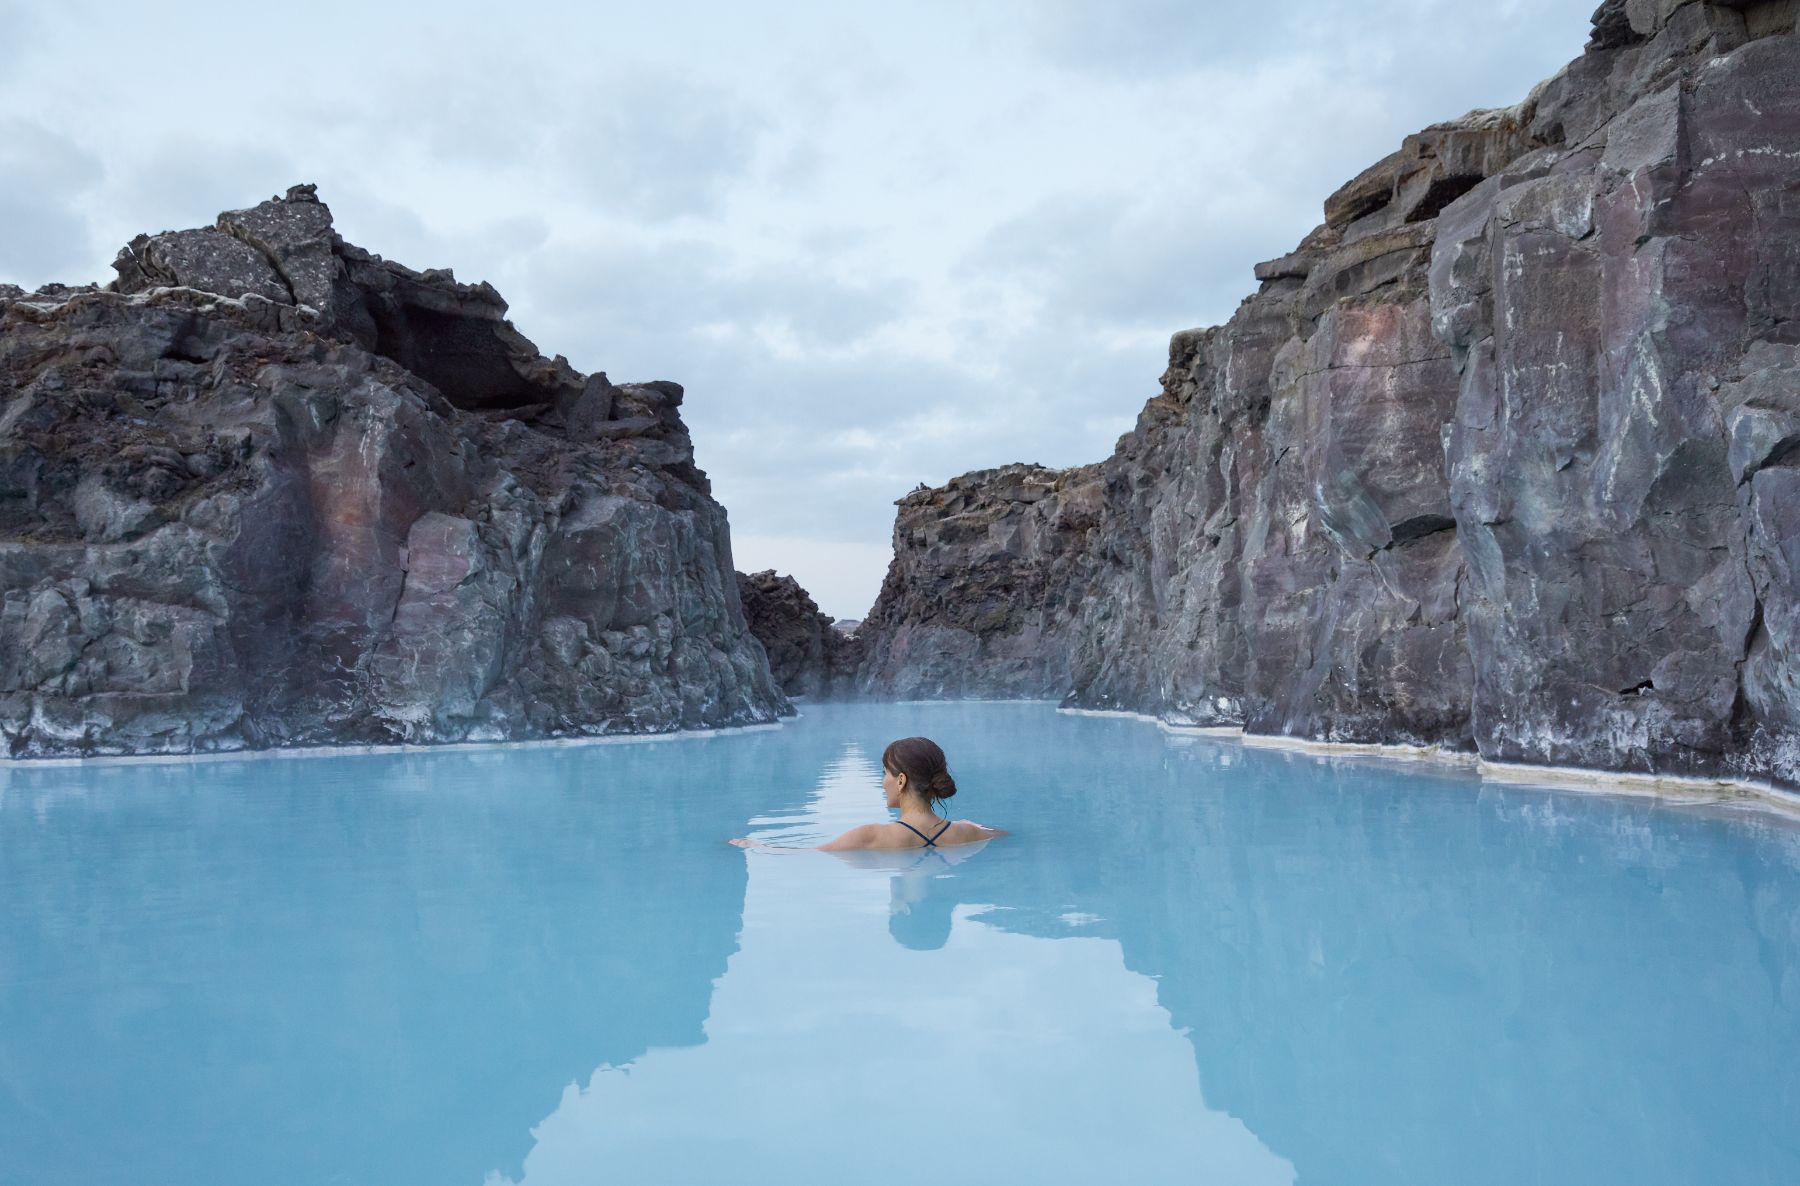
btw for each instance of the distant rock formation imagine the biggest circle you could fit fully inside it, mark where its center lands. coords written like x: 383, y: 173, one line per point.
x: 269, y: 489
x: 808, y: 655
x: 1505, y: 456
x: 976, y: 602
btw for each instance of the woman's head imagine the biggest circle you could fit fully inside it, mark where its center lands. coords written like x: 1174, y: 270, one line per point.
x: 916, y: 765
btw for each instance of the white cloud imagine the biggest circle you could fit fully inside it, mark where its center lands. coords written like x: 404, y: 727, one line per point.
x: 188, y: 178
x: 656, y: 145
x: 1150, y: 38
x: 44, y: 179
x: 16, y: 29
x: 840, y: 585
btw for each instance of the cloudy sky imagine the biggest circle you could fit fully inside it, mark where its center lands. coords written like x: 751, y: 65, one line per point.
x: 880, y: 244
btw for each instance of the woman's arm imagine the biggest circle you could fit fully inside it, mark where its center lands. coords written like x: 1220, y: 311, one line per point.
x: 858, y: 837
x: 862, y: 836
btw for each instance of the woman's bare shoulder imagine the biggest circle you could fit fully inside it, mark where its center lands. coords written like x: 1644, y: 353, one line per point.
x: 967, y: 831
x: 861, y: 836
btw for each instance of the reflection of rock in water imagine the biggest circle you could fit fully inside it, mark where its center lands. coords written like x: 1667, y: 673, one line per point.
x: 922, y: 891
x: 1375, y: 975
x: 389, y: 985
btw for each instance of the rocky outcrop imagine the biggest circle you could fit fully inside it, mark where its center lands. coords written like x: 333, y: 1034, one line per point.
x: 976, y: 601
x: 808, y: 655
x: 1501, y: 457
x: 269, y: 489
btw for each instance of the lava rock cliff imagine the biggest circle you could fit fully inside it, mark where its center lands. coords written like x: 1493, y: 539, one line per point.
x: 1503, y: 457
x: 269, y: 489
x: 808, y: 655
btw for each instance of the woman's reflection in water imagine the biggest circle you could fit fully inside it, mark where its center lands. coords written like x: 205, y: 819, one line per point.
x: 922, y: 896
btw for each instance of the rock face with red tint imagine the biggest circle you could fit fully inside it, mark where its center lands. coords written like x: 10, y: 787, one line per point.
x: 1504, y: 457
x: 269, y: 489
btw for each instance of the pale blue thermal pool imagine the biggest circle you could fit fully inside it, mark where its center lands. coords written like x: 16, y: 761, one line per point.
x: 1193, y: 962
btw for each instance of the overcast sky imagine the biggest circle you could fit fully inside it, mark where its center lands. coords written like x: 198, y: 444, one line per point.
x: 879, y: 244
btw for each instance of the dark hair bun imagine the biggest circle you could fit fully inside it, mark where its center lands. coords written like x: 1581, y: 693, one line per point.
x: 922, y: 761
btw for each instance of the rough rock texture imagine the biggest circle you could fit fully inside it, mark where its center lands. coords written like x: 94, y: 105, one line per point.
x: 1503, y: 456
x: 976, y: 600
x: 269, y: 489
x: 808, y: 655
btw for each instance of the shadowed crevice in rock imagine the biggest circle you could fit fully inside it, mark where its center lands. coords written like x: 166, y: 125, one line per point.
x: 1440, y: 192
x: 1420, y: 526
x: 456, y: 354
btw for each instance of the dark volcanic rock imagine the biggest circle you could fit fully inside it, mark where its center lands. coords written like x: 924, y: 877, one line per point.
x: 808, y: 655
x: 270, y: 489
x: 1501, y: 457
x: 972, y: 605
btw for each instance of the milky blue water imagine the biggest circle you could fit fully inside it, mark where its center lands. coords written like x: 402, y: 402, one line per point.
x: 1192, y: 962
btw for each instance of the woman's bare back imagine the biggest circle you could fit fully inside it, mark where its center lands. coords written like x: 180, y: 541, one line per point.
x: 898, y: 835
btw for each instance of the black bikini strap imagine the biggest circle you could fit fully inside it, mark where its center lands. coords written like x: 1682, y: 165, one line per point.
x: 940, y: 832
x: 930, y: 841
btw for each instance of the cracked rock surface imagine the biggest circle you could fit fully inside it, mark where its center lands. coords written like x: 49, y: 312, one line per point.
x: 270, y: 489
x: 1504, y: 457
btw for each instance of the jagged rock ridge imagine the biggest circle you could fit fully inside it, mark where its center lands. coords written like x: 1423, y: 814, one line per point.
x: 976, y: 601
x: 808, y: 655
x: 269, y: 489
x: 1501, y: 457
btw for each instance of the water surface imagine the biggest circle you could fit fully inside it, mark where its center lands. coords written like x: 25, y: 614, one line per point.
x: 1193, y: 962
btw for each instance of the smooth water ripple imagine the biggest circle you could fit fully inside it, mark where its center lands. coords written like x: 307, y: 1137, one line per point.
x: 1193, y: 962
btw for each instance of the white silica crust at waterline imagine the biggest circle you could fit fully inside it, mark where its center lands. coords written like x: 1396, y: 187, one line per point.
x: 340, y: 751
x: 1672, y: 787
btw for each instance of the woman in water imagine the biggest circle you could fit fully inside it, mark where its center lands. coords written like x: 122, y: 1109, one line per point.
x: 914, y: 779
